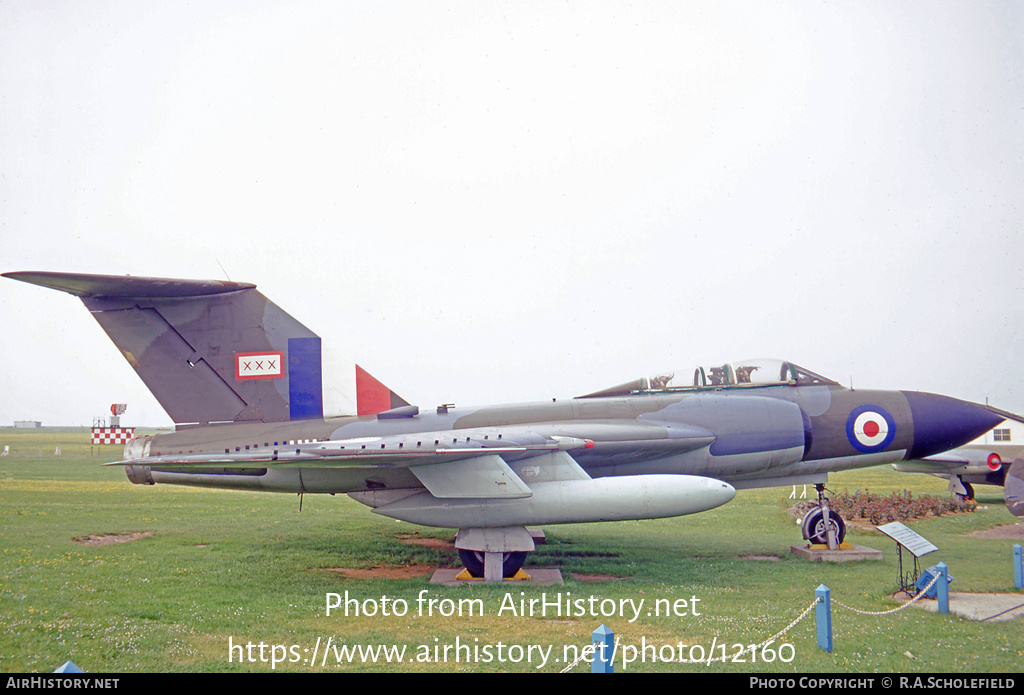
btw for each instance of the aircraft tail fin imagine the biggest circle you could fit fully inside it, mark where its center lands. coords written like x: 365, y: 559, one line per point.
x: 1013, y: 488
x: 208, y: 350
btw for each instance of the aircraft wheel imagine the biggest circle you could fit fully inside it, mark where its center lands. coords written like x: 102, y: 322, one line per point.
x: 815, y: 531
x: 510, y: 563
x: 970, y: 493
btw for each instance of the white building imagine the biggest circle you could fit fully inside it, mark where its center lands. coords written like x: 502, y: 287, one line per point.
x: 1010, y: 432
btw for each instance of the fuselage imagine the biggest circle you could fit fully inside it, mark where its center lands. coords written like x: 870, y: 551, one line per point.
x: 750, y: 436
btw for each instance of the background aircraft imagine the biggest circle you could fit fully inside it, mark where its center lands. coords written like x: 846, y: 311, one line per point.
x: 977, y: 464
x: 967, y: 466
x: 242, y: 380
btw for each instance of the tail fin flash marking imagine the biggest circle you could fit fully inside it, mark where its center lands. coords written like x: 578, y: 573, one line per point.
x: 372, y: 396
x: 305, y: 381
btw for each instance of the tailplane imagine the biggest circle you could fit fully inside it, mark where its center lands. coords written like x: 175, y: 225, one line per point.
x: 210, y: 351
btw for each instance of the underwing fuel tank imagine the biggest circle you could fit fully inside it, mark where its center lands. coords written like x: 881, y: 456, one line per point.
x: 563, y: 502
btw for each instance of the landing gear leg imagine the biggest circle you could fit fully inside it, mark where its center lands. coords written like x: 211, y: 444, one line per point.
x: 963, y: 491
x: 493, y: 554
x: 824, y: 526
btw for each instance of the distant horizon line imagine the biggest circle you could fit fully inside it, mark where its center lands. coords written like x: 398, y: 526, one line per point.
x: 86, y: 427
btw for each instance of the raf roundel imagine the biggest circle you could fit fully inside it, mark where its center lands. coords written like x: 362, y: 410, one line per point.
x: 870, y: 428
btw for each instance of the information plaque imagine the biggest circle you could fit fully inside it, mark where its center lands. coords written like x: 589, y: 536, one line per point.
x: 911, y: 540
x: 914, y: 542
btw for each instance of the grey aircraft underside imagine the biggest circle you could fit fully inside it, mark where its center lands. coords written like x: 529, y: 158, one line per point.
x: 242, y: 380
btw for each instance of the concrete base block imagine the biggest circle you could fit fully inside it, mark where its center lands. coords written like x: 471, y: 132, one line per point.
x: 846, y: 553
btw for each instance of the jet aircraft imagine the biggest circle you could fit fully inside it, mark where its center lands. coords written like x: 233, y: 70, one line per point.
x: 977, y: 464
x: 242, y: 381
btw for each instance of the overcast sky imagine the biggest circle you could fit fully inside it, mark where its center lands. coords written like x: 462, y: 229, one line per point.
x: 488, y: 202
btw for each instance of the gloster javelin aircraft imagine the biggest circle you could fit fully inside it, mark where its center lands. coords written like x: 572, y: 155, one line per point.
x: 242, y: 380
x: 977, y: 464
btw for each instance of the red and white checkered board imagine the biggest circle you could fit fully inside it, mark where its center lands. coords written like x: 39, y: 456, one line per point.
x: 112, y: 435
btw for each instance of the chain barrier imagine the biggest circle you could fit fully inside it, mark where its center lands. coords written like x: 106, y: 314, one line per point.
x: 584, y: 653
x: 920, y: 595
x: 753, y: 649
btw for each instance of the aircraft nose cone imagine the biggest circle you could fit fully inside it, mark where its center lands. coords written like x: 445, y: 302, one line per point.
x: 942, y: 423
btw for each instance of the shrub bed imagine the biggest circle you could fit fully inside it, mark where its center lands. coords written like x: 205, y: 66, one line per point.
x: 883, y: 509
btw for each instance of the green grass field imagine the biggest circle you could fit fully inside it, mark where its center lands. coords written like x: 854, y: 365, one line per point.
x: 229, y: 569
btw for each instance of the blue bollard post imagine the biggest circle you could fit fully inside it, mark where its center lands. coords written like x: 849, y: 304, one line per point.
x: 603, y: 640
x: 943, y: 587
x: 1018, y: 567
x: 823, y: 617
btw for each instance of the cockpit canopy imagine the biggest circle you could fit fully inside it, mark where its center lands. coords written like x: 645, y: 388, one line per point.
x: 748, y: 373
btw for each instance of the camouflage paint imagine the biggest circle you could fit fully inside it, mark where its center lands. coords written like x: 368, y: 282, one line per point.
x: 184, y: 337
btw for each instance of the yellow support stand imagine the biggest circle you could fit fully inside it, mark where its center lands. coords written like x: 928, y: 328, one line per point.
x: 520, y: 576
x: 821, y: 546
